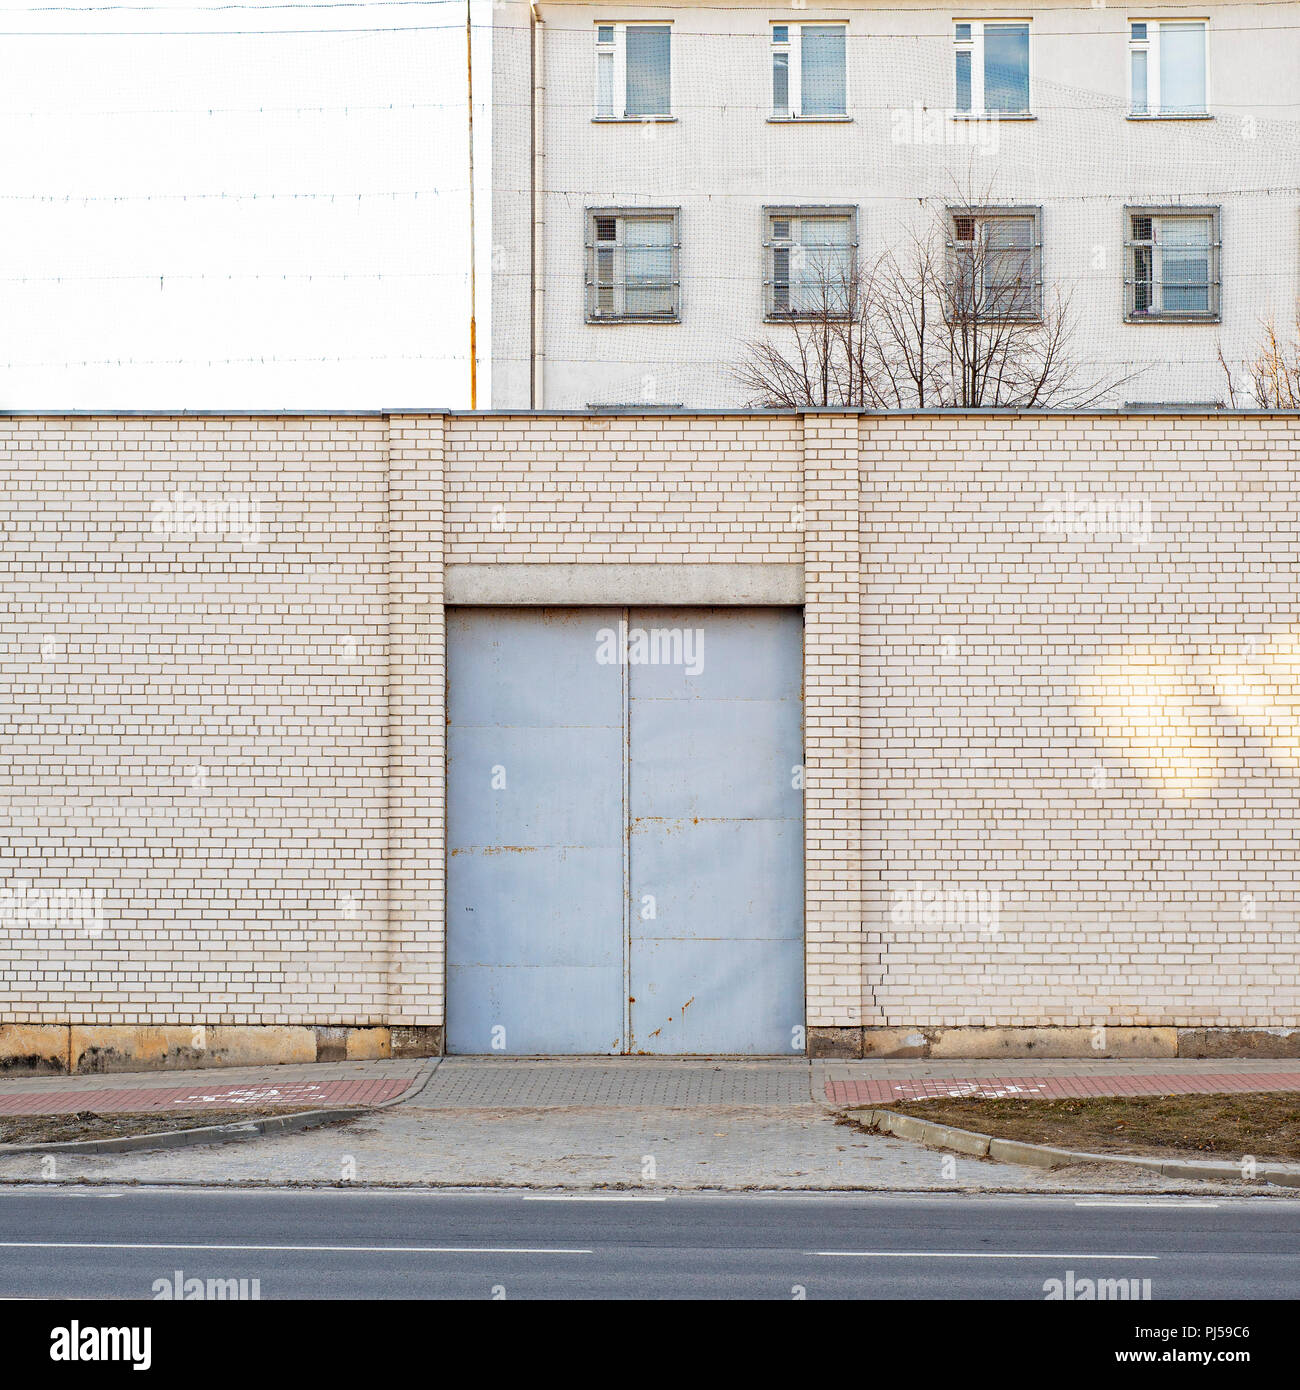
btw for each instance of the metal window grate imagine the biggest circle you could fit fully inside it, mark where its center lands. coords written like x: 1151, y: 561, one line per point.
x: 1171, y: 265
x: 995, y: 269
x: 632, y: 266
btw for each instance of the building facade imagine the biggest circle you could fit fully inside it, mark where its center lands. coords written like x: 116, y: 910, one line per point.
x: 673, y: 184
x: 754, y: 732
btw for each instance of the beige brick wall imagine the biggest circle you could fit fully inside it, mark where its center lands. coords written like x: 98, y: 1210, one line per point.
x: 234, y: 734
x: 610, y: 490
x: 835, y: 969
x: 417, y: 721
x: 1053, y: 610
x: 194, y: 725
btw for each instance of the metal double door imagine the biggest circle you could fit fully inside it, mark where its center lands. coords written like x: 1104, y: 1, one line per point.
x: 625, y: 831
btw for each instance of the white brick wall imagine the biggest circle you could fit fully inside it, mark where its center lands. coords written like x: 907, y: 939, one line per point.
x: 193, y: 726
x: 240, y: 746
x: 993, y: 761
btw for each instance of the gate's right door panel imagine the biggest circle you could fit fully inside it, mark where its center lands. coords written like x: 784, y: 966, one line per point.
x: 715, y: 845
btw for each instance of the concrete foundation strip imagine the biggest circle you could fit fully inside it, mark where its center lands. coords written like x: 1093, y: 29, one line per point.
x: 967, y: 1141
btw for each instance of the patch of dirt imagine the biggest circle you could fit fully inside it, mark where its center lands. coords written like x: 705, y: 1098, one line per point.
x: 91, y: 1124
x: 1265, y: 1124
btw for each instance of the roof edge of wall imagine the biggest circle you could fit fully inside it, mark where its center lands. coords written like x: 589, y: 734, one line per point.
x: 1125, y: 412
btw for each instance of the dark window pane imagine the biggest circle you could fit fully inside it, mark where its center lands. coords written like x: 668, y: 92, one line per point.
x: 1142, y: 279
x: 1182, y: 69
x: 1006, y: 67
x: 963, y: 79
x: 649, y: 273
x: 1140, y: 82
x: 781, y: 82
x: 647, y: 70
x: 822, y: 75
x: 780, y: 279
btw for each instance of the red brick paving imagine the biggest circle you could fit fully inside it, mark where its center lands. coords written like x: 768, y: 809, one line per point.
x: 879, y: 1092
x: 224, y: 1096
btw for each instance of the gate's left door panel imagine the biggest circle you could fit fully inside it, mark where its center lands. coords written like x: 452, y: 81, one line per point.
x: 535, y: 833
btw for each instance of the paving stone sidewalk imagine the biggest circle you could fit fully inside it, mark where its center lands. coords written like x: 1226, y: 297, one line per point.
x: 582, y: 1123
x: 1097, y: 1079
x: 324, y: 1084
x: 629, y: 1082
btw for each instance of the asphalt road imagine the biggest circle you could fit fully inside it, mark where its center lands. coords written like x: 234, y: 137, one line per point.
x: 115, y: 1243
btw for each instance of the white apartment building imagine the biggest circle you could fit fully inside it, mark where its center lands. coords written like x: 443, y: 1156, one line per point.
x: 670, y: 183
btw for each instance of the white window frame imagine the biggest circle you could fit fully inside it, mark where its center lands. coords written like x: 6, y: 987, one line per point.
x: 1151, y: 47
x: 1158, y: 313
x: 846, y: 211
x: 792, y: 47
x: 616, y: 51
x: 618, y: 313
x: 975, y: 46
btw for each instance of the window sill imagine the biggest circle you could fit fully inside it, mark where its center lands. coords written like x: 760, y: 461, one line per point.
x: 809, y: 120
x: 805, y: 318
x: 1193, y: 320
x: 1018, y: 319
x: 613, y: 319
x: 992, y: 116
x: 633, y: 120
x: 1170, y: 116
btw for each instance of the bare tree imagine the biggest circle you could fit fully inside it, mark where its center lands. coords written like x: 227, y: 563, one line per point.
x: 955, y: 316
x: 1272, y: 372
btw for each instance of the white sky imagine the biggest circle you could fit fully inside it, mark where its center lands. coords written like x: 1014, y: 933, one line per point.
x: 138, y: 271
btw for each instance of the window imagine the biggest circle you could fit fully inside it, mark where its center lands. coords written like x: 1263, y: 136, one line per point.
x: 995, y: 264
x: 632, y: 265
x: 1171, y: 265
x: 809, y: 261
x: 991, y: 68
x: 808, y: 70
x: 1166, y: 67
x: 633, y: 71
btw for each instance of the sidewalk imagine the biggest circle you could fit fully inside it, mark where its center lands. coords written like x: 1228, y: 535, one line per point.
x: 617, y: 1082
x: 882, y: 1082
x: 591, y: 1123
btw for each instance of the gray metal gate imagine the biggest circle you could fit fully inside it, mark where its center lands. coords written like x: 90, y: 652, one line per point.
x: 625, y: 831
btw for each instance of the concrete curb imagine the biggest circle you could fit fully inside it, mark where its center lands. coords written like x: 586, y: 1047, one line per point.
x: 419, y: 1083
x: 186, y: 1138
x: 1043, y: 1156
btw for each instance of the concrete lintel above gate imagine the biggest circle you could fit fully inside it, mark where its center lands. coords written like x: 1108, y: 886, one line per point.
x: 717, y: 585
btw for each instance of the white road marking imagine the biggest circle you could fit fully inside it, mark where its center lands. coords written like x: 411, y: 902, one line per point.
x: 346, y: 1249
x: 966, y: 1255
x: 1173, y: 1206
x: 591, y: 1197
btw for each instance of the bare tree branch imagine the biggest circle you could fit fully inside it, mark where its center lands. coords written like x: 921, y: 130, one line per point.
x: 936, y: 322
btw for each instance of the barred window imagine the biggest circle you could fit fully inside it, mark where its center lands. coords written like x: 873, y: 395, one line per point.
x: 995, y: 264
x: 810, y: 259
x: 1171, y: 265
x: 632, y: 265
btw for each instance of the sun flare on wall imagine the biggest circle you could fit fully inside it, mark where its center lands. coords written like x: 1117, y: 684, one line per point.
x: 1148, y: 705
x: 1262, y: 693
x: 1160, y: 709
